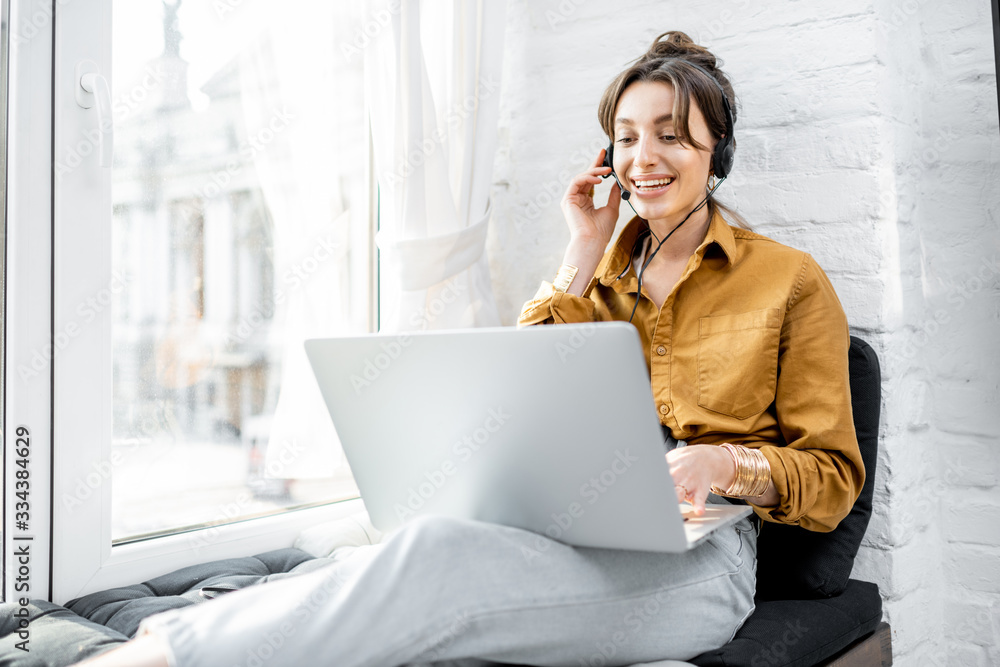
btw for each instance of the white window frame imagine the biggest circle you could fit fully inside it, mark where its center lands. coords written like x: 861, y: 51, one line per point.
x: 28, y: 282
x: 61, y: 257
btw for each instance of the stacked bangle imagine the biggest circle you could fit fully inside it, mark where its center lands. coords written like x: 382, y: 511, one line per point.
x: 753, y: 473
x: 564, y: 278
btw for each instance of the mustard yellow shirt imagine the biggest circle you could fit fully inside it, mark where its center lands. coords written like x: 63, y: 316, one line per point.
x: 750, y: 347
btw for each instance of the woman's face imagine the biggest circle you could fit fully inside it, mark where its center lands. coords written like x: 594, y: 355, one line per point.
x: 667, y: 179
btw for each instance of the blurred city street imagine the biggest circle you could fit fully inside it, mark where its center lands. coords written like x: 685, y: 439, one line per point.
x: 164, y: 485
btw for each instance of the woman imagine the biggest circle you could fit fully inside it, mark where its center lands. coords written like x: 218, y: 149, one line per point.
x: 747, y: 347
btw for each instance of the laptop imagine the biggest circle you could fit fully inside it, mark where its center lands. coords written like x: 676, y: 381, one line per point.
x: 549, y: 428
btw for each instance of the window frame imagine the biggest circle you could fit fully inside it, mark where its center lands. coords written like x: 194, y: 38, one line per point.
x: 27, y: 286
x: 63, y: 229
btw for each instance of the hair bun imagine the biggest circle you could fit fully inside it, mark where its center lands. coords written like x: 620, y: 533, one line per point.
x: 676, y: 44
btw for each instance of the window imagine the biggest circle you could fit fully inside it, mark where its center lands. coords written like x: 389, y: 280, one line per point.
x: 234, y: 219
x: 213, y: 276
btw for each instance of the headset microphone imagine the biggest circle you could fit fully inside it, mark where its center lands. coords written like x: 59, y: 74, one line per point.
x: 607, y: 163
x: 642, y: 269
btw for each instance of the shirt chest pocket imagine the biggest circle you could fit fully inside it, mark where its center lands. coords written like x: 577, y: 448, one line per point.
x: 738, y: 362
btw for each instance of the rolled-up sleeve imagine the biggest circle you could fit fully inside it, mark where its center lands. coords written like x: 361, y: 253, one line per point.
x: 818, y: 474
x: 552, y: 307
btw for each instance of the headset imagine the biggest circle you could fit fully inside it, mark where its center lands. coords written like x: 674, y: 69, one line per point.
x: 722, y: 165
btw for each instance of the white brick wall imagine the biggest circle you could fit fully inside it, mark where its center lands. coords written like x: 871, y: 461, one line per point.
x: 868, y: 136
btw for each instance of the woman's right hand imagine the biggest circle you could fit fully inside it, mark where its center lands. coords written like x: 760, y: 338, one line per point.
x: 590, y: 226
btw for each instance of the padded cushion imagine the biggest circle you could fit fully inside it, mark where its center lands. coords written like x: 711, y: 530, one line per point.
x: 57, y: 636
x: 122, y: 609
x: 100, y: 621
x: 794, y: 563
x: 801, y: 632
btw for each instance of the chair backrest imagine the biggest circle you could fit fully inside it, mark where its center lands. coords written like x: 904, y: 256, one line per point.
x: 794, y: 563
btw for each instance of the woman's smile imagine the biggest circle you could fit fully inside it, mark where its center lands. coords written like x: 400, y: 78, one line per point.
x: 652, y: 185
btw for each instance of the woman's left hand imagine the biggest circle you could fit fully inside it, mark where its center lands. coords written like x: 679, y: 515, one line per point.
x: 695, y: 468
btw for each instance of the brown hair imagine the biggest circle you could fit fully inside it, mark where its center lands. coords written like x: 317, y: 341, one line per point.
x: 674, y: 59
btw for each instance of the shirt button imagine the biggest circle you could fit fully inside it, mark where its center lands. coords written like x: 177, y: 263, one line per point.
x: 661, y: 350
x: 664, y: 409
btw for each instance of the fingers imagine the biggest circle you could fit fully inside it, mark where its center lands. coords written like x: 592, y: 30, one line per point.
x: 615, y: 197
x: 692, y: 478
x: 693, y: 495
x: 581, y: 190
x: 682, y: 492
x: 699, y: 502
x: 582, y: 183
x: 600, y: 158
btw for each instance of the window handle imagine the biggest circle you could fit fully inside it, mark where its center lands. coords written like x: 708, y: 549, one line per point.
x: 94, y: 89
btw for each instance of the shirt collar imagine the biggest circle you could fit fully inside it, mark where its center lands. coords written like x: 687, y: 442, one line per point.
x: 619, y: 259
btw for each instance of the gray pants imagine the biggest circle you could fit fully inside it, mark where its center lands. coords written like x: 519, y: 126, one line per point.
x: 469, y: 593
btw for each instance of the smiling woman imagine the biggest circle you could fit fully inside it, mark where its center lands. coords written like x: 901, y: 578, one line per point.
x: 766, y: 424
x: 866, y: 136
x: 712, y: 305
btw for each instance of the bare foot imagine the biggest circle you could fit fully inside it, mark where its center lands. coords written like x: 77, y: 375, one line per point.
x: 145, y: 651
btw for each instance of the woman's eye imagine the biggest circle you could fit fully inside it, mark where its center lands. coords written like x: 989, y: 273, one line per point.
x: 669, y: 137
x: 625, y: 140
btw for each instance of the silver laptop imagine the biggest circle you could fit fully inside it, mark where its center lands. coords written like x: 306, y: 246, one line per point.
x: 549, y: 428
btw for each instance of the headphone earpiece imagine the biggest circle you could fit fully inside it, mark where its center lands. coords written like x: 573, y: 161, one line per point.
x: 723, y: 158
x: 725, y: 151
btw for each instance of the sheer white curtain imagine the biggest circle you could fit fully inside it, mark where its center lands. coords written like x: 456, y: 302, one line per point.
x: 432, y: 78
x: 291, y: 87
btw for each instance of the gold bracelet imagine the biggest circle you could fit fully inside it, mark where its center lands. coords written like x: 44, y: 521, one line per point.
x: 753, y: 473
x: 564, y: 278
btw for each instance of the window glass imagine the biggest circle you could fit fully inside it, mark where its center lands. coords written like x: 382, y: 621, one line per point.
x: 241, y: 225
